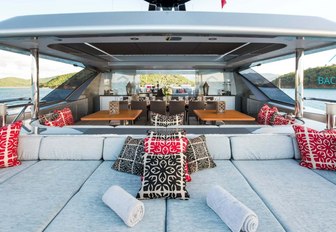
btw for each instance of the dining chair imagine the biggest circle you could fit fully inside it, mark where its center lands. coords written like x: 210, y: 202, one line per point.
x: 140, y: 105
x: 176, y: 107
x: 123, y: 105
x: 211, y: 105
x: 158, y: 107
x: 194, y: 105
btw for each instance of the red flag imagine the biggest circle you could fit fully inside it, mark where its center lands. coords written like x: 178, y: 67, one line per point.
x: 223, y: 3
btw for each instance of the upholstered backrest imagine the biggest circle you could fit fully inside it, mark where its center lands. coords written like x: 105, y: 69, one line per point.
x: 262, y: 147
x: 71, y: 148
x: 218, y: 146
x: 297, y: 154
x: 113, y: 146
x: 29, y: 146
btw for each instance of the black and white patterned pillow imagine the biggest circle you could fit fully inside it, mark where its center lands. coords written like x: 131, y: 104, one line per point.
x: 165, y: 133
x: 164, y: 120
x: 164, y: 177
x: 130, y: 159
x: 198, y: 156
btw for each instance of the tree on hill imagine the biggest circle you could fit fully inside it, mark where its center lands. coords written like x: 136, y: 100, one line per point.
x: 57, y: 81
x: 14, y: 82
x: 165, y: 80
x: 312, y: 78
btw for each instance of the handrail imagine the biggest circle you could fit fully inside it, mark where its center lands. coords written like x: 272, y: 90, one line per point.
x: 319, y: 99
x: 16, y: 99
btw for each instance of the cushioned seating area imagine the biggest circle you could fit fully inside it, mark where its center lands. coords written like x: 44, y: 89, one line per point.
x: 195, y: 215
x: 300, y: 199
x: 31, y: 199
x: 6, y: 173
x: 60, y: 184
x: 87, y: 212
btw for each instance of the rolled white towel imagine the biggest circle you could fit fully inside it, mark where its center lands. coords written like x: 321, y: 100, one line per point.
x: 236, y: 215
x: 128, y: 208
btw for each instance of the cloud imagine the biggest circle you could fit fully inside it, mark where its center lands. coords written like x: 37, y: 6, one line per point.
x: 18, y: 65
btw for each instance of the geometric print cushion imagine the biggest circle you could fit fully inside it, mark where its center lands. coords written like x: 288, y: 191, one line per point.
x: 164, y: 120
x: 265, y: 114
x: 198, y: 156
x: 165, y: 146
x: 166, y: 133
x: 317, y: 149
x: 163, y: 177
x: 130, y: 159
x: 278, y: 120
x: 66, y: 116
x: 9, y: 139
x: 52, y: 119
x: 172, y: 145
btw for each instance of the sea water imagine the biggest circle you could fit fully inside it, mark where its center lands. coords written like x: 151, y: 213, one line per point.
x: 6, y: 93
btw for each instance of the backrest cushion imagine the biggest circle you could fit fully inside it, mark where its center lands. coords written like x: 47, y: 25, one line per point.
x: 262, y: 147
x: 29, y: 146
x: 71, y: 148
x: 218, y: 146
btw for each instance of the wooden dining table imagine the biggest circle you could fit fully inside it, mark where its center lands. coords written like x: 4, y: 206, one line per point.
x: 228, y: 115
x: 104, y: 115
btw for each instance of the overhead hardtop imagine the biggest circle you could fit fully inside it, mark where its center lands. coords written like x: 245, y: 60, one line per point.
x: 173, y: 40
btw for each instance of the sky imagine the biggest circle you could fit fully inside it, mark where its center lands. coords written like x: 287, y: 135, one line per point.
x: 17, y: 65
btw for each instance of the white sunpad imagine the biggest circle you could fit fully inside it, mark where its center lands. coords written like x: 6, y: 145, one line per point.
x: 237, y: 216
x: 127, y: 207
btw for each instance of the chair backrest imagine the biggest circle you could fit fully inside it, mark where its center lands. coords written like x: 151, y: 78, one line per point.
x: 195, y: 105
x: 123, y: 105
x: 140, y: 105
x: 211, y: 105
x: 176, y: 107
x: 158, y: 107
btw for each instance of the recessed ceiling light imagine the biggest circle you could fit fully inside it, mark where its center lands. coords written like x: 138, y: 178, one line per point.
x: 212, y: 38
x: 134, y: 38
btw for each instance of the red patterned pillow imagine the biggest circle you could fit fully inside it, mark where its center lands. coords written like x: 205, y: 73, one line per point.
x: 9, y: 139
x: 278, y: 119
x: 168, y: 146
x: 66, y: 116
x: 318, y: 149
x: 265, y: 114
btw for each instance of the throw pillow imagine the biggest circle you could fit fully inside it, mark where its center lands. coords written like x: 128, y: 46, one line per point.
x: 198, y: 156
x: 317, y: 149
x: 165, y: 146
x: 52, y: 119
x: 9, y: 140
x: 277, y: 120
x: 164, y: 120
x: 163, y: 177
x: 166, y: 133
x: 171, y: 145
x: 265, y: 114
x: 66, y: 116
x: 130, y: 159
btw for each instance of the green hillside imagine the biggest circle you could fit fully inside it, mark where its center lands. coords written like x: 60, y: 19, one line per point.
x: 14, y: 82
x: 165, y: 79
x: 56, y: 81
x: 49, y: 82
x: 315, y: 78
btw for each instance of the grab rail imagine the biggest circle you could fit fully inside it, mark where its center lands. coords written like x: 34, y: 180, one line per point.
x: 15, y: 99
x: 319, y: 99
